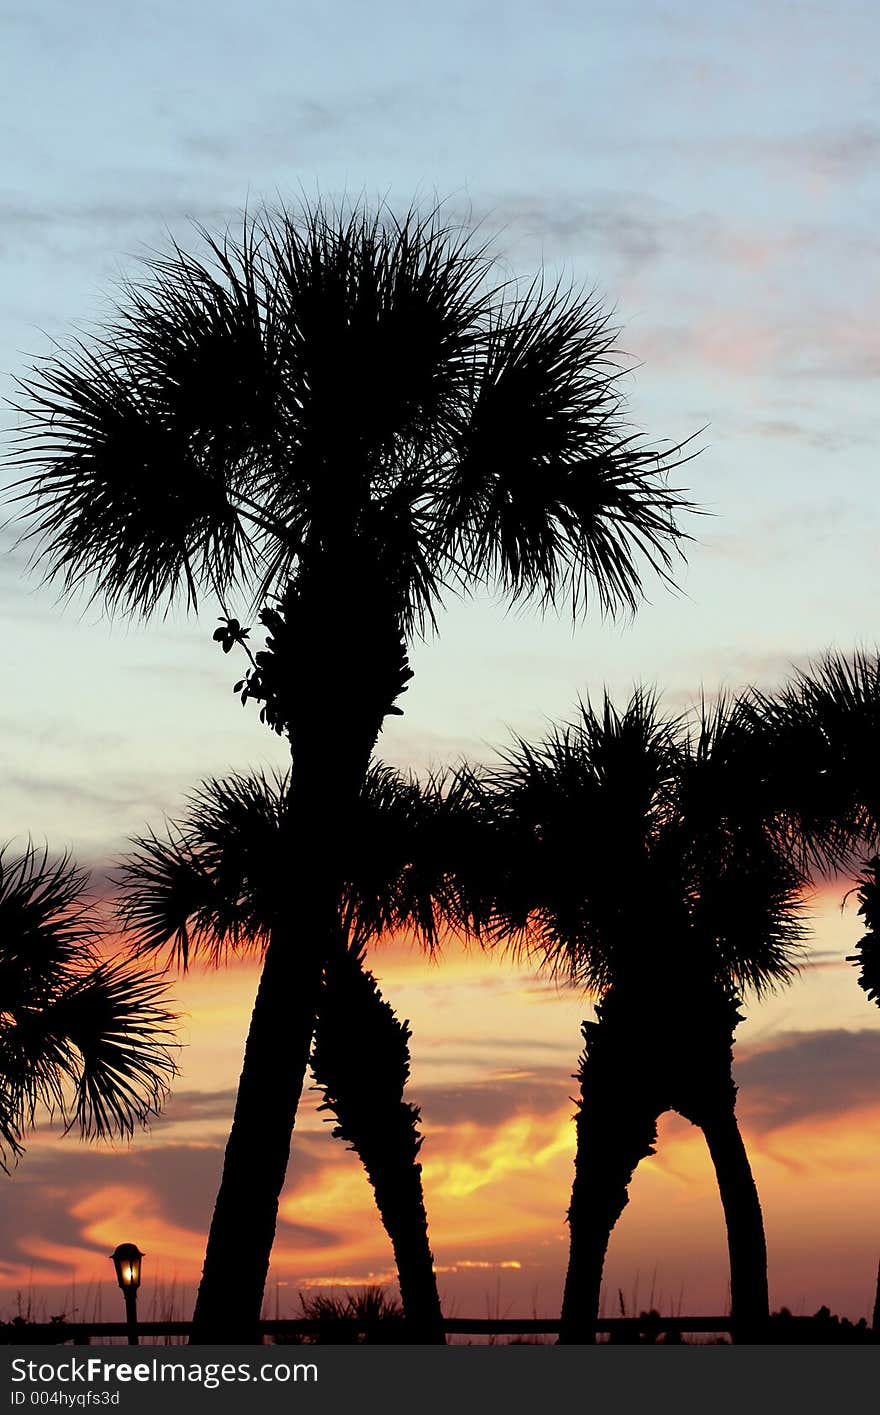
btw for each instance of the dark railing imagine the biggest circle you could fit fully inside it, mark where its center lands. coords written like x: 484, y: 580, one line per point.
x: 618, y: 1328
x: 784, y: 1329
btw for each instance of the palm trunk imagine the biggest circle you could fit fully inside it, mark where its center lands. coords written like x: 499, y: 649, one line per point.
x: 705, y: 1093
x: 616, y: 1128
x: 749, y: 1299
x: 276, y: 1055
x: 246, y: 1210
x: 401, y: 1205
x: 361, y: 1062
x: 329, y: 697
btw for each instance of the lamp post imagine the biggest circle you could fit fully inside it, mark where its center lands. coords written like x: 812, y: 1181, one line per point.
x: 127, y: 1262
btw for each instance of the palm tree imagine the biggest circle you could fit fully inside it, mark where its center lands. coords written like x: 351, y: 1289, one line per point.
x: 638, y: 857
x: 820, y: 738
x: 87, y: 1038
x: 212, y: 883
x: 344, y: 416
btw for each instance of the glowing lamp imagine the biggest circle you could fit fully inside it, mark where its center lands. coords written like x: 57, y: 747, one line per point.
x: 127, y: 1262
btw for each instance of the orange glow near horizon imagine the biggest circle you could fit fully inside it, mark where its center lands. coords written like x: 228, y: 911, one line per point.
x: 494, y: 1048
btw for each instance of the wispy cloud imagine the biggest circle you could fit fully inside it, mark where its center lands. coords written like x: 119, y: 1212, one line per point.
x: 807, y: 1076
x: 47, y: 1191
x: 487, y: 1104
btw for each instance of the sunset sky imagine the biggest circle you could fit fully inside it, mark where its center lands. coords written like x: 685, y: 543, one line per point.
x: 713, y: 174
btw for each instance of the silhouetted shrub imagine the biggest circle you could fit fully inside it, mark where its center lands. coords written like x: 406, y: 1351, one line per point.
x: 368, y: 1317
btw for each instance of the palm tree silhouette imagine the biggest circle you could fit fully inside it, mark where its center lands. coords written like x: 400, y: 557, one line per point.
x: 213, y: 883
x: 641, y: 858
x: 345, y: 416
x: 88, y: 1038
x: 821, y: 736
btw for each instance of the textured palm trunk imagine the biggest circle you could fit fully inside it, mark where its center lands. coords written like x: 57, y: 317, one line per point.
x: 616, y: 1128
x: 361, y: 1063
x: 705, y: 1093
x: 749, y: 1299
x: 246, y: 1210
x: 329, y: 697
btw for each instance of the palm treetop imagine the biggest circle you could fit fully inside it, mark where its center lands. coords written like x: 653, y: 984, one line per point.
x: 214, y: 881
x: 351, y: 399
x: 821, y: 733
x: 632, y: 846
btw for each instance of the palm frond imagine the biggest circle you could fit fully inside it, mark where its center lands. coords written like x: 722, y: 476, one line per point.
x: 867, y: 954
x: 820, y: 734
x: 45, y: 920
x: 86, y: 1038
x: 405, y: 844
x: 113, y: 1034
x: 122, y: 498
x: 214, y: 881
x: 551, y: 496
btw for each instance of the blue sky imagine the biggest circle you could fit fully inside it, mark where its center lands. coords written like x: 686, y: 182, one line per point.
x: 713, y: 174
